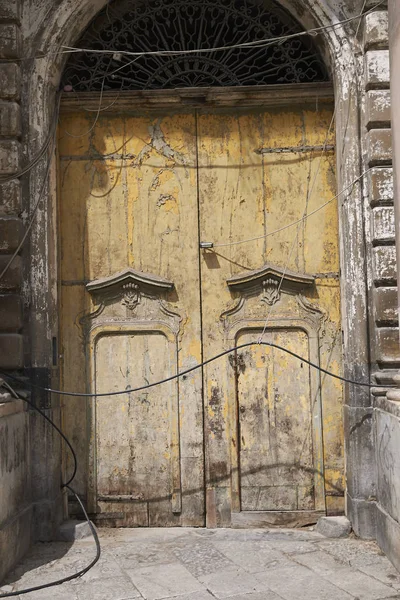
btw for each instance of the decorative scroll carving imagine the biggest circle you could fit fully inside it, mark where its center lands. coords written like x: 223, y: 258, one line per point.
x: 276, y: 287
x: 145, y: 26
x: 132, y: 296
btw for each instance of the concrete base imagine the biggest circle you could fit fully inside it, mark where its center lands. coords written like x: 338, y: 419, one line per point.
x: 388, y: 536
x: 334, y: 527
x: 15, y: 539
x: 362, y: 515
x: 71, y: 530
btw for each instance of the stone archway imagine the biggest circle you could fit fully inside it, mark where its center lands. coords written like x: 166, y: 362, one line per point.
x: 63, y: 27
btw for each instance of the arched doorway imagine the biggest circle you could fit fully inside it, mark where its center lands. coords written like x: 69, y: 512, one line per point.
x: 150, y: 176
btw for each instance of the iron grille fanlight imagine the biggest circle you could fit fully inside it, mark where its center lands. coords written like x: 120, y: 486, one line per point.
x: 154, y: 25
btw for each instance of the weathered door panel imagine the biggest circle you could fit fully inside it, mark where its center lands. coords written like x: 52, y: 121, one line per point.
x: 141, y: 191
x: 128, y: 198
x: 248, y: 188
x: 275, y: 417
x: 135, y: 433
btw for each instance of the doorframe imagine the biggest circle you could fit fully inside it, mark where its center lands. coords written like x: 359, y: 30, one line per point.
x: 62, y: 26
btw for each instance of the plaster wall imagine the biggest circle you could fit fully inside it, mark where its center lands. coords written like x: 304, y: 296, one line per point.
x: 359, y: 59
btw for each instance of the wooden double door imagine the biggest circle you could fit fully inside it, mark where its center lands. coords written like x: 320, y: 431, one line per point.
x: 254, y: 437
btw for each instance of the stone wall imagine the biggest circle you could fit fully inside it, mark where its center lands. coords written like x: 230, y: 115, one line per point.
x: 31, y: 474
x: 15, y: 499
x: 30, y: 504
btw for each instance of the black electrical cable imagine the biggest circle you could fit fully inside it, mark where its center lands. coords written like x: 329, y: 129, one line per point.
x: 63, y: 485
x: 198, y: 366
x: 129, y: 391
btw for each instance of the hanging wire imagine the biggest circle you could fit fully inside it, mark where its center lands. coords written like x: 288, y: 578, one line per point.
x: 256, y: 43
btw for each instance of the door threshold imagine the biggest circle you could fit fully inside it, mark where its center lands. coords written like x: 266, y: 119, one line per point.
x: 275, y: 518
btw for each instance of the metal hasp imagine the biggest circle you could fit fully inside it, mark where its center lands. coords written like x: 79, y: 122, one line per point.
x: 195, y: 27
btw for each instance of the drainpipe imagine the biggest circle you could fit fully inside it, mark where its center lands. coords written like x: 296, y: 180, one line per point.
x: 394, y: 52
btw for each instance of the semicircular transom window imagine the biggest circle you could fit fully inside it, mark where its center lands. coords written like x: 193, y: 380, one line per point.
x: 239, y: 27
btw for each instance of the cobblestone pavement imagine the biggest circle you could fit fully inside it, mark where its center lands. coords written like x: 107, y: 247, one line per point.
x: 200, y: 564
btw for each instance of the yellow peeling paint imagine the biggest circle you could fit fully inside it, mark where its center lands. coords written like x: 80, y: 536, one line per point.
x: 135, y: 193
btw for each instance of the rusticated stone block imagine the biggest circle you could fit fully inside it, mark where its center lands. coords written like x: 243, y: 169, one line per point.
x: 10, y: 119
x: 11, y: 351
x: 379, y: 146
x: 10, y: 312
x: 378, y: 108
x: 9, y: 157
x: 384, y: 264
x: 385, y: 302
x: 387, y: 345
x: 10, y: 40
x: 380, y: 185
x: 383, y: 224
x: 377, y: 70
x: 10, y: 81
x: 10, y: 234
x: 10, y: 198
x: 376, y: 32
x: 10, y: 10
x: 12, y: 278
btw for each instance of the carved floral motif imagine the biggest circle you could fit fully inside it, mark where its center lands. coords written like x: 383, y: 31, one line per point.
x: 271, y: 292
x: 131, y: 295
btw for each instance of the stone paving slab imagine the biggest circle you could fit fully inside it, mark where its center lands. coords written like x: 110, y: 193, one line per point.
x: 206, y: 564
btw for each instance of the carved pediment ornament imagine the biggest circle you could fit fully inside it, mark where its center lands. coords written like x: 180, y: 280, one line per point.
x: 153, y: 283
x: 131, y: 294
x: 269, y: 277
x: 269, y: 285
